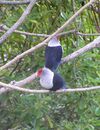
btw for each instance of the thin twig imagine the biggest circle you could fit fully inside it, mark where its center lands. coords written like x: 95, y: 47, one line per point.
x: 13, y: 87
x: 18, y: 23
x: 4, y: 27
x: 45, y: 41
x: 74, y: 31
x: 14, y: 2
x: 87, y: 34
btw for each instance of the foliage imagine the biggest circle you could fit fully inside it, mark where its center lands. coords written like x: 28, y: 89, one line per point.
x: 70, y: 111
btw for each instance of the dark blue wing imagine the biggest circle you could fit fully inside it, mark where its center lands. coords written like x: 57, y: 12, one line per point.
x: 58, y: 82
x: 58, y: 54
x: 53, y: 57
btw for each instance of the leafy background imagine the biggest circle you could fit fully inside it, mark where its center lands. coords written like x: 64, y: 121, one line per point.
x: 70, y: 111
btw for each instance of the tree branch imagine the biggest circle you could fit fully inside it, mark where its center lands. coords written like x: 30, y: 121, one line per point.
x: 75, y: 54
x: 89, y: 34
x: 20, y: 83
x: 13, y: 87
x: 74, y: 31
x: 25, y: 81
x: 45, y: 41
x: 4, y: 27
x: 15, y: 2
x: 18, y: 23
x: 93, y: 44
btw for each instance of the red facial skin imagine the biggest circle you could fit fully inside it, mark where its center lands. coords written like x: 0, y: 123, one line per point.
x: 39, y: 72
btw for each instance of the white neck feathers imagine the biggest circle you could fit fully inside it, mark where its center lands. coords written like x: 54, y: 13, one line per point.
x: 54, y: 42
x: 46, y: 79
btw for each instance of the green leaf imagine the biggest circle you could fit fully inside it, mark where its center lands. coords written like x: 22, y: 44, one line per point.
x: 90, y: 127
x: 97, y: 111
x: 49, y: 121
